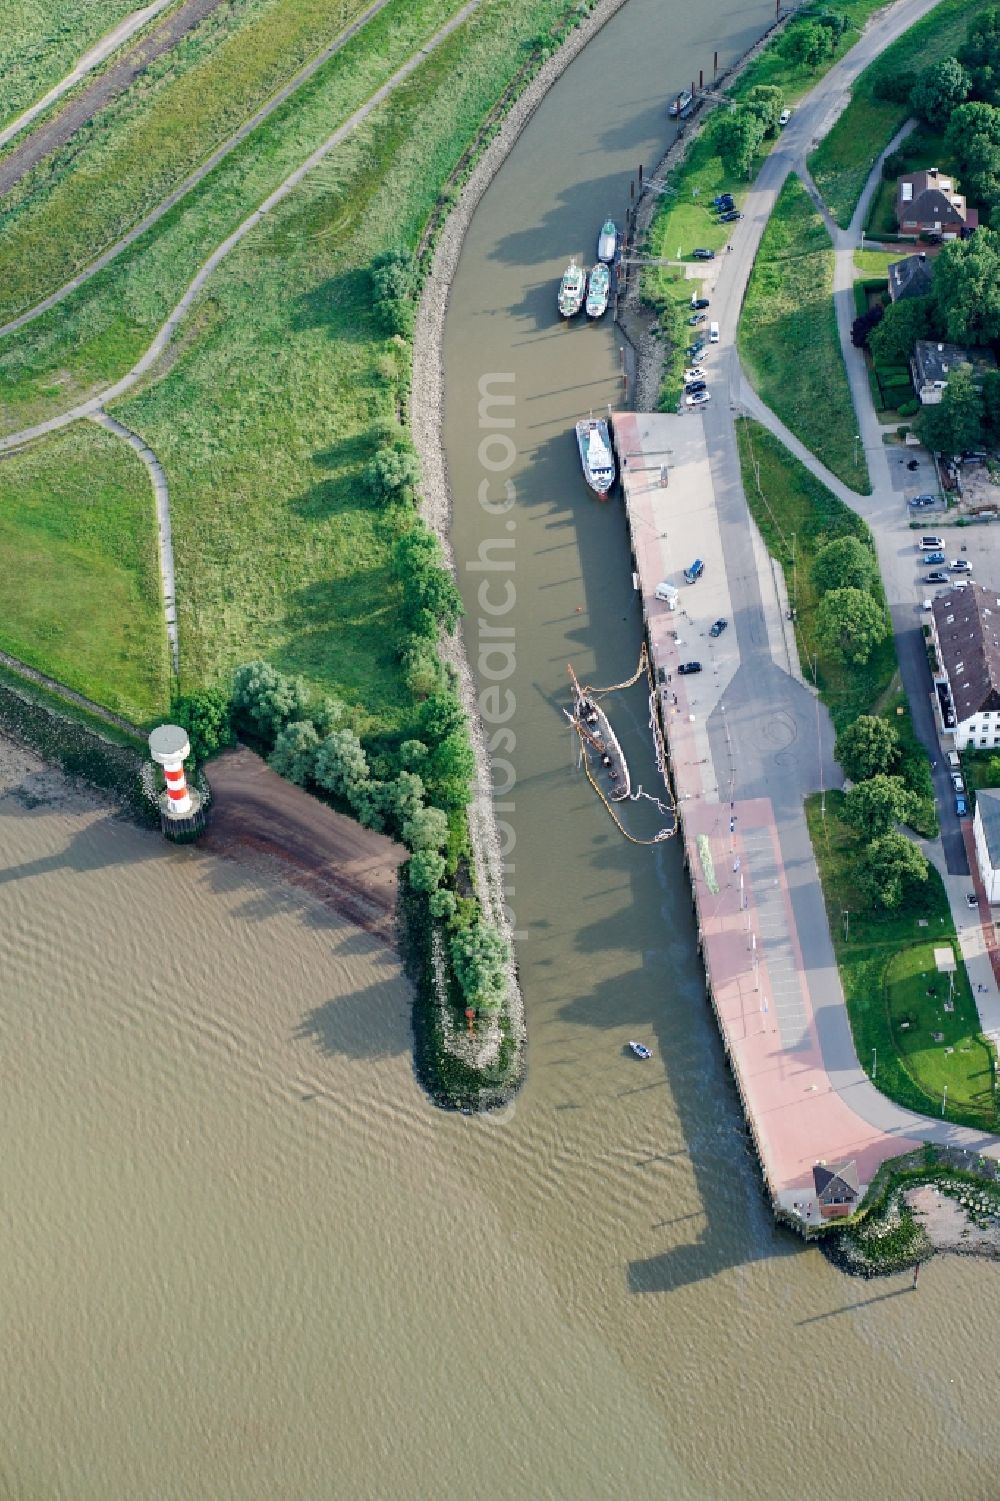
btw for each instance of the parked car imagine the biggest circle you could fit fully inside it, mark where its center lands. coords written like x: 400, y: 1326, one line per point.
x: 694, y: 372
x: 956, y: 781
x: 971, y: 899
x: 696, y: 318
x: 688, y: 667
x: 937, y: 577
x: 730, y: 216
x: 931, y: 557
x: 697, y: 398
x: 960, y: 565
x: 699, y: 302
x: 723, y: 201
x: 784, y: 117
x: 694, y: 350
x: 961, y: 806
x: 701, y: 254
x: 922, y: 500
x: 694, y: 386
x: 718, y: 627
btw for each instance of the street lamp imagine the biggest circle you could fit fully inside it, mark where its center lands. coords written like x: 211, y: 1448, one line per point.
x: 874, y: 1063
x: 944, y: 1099
x: 847, y: 926
x: 857, y: 440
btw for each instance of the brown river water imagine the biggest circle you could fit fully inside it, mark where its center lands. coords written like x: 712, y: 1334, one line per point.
x: 243, y: 1256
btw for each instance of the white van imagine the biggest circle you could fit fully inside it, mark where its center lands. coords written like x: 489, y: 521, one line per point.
x: 931, y: 544
x: 713, y: 333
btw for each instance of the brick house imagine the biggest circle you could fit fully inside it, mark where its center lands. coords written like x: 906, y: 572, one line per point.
x: 928, y: 202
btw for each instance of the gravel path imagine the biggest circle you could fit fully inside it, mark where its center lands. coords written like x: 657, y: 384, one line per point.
x: 194, y: 178
x: 56, y: 132
x: 164, y: 538
x: 177, y: 314
x: 88, y: 62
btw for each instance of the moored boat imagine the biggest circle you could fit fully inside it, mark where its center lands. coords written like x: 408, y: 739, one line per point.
x: 640, y: 1050
x: 598, y: 289
x: 572, y: 290
x: 607, y: 242
x: 594, y: 443
x: 680, y: 105
x: 599, y: 743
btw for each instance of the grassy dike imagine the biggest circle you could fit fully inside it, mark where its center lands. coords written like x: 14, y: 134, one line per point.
x: 41, y: 43
x: 788, y: 340
x: 843, y: 159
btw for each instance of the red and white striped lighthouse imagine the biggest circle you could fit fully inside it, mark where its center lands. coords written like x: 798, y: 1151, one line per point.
x: 169, y: 747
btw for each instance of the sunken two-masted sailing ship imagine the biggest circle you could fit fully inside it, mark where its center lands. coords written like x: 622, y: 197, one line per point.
x: 599, y: 744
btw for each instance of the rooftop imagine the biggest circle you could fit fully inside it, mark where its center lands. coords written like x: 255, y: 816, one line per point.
x: 967, y: 622
x: 988, y: 808
x: 910, y: 277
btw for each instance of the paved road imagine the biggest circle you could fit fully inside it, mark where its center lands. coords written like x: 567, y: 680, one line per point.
x: 193, y: 179
x: 90, y: 60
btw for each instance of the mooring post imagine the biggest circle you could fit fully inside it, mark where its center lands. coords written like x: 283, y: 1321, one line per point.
x: 640, y: 179
x: 715, y: 65
x: 701, y: 78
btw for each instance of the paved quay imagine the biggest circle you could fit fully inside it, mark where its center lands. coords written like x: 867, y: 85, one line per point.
x: 747, y: 741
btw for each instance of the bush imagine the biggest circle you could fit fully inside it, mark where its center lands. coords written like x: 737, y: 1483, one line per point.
x: 479, y: 956
x: 426, y: 829
x: 294, y: 754
x: 265, y: 700
x: 394, y: 281
x: 341, y: 766
x: 393, y: 474
x: 909, y: 408
x: 426, y: 870
x: 207, y: 717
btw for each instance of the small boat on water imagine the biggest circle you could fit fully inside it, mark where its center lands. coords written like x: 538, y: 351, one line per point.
x: 594, y: 443
x: 680, y: 105
x: 607, y: 242
x: 640, y: 1050
x: 598, y: 290
x: 572, y: 290
x: 599, y: 743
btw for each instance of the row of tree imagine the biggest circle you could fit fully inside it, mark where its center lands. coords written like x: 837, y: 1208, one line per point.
x: 890, y: 863
x: 850, y: 619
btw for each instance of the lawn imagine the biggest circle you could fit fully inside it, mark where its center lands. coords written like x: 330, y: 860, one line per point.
x: 284, y: 388
x: 41, y: 40
x: 895, y: 996
x: 874, y: 264
x: 788, y: 338
x: 980, y: 768
x: 98, y: 333
x: 83, y: 197
x: 841, y: 163
x: 80, y: 595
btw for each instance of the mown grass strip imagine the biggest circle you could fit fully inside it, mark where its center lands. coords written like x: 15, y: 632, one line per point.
x: 80, y: 595
x: 788, y: 339
x: 842, y: 161
x: 101, y: 330
x: 42, y: 40
x: 135, y: 151
x: 896, y: 999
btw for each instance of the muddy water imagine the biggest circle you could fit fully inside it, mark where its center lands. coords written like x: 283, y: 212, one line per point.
x: 243, y: 1257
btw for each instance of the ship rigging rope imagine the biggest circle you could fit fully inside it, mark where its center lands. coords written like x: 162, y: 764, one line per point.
x: 660, y: 750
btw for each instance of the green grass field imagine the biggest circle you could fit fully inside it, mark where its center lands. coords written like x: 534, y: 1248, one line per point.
x: 133, y: 153
x: 80, y: 594
x: 896, y: 999
x: 41, y: 40
x: 265, y: 421
x: 99, y: 332
x: 842, y: 161
x: 788, y: 339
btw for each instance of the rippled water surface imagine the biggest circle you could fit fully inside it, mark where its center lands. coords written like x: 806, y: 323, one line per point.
x: 243, y: 1257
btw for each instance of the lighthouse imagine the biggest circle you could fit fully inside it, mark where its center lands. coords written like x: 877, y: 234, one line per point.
x: 182, y: 816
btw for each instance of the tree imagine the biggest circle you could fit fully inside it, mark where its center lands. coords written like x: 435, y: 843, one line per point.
x: 809, y: 43
x: 443, y: 904
x: 980, y: 56
x: 875, y: 805
x: 450, y: 770
x: 967, y: 286
x: 294, y: 754
x: 863, y: 325
x: 426, y: 829
x: 738, y: 138
x: 888, y: 867
x: 207, y: 717
x: 404, y: 796
x: 845, y: 563
x: 891, y: 341
x: 393, y: 474
x: 766, y: 102
x: 439, y: 716
x: 430, y: 596
x: 955, y: 423
x: 480, y: 959
x: 394, y: 279
x: 422, y: 668
x: 265, y: 700
x: 991, y: 405
x: 938, y: 91
x: 972, y: 140
x: 850, y: 624
x: 427, y: 869
x: 867, y: 747
x: 341, y: 765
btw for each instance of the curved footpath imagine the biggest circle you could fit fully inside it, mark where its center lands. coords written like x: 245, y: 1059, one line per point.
x: 847, y: 1086
x: 194, y: 178
x: 167, y: 330
x: 88, y: 62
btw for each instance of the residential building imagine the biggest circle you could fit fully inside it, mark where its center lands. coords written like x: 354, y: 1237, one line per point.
x: 986, y: 829
x: 928, y: 203
x: 965, y: 632
x: 933, y: 363
x: 910, y: 277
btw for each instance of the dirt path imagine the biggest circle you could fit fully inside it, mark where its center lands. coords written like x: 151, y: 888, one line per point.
x: 90, y: 60
x: 352, y: 869
x: 56, y: 132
